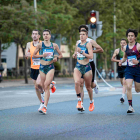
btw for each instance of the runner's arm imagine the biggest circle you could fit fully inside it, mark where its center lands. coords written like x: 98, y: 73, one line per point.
x: 99, y: 49
x: 59, y: 52
x: 38, y: 47
x: 27, y: 51
x: 114, y: 56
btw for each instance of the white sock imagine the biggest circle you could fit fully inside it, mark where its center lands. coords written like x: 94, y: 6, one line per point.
x: 79, y: 99
x: 91, y: 101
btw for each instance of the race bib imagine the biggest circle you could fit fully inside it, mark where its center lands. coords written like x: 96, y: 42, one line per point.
x: 124, y: 63
x: 130, y: 58
x: 36, y: 61
x: 49, y: 53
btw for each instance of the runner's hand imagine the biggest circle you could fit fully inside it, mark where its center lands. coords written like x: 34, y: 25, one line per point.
x: 74, y: 56
x: 55, y: 59
x: 120, y: 63
x: 45, y: 55
x: 134, y: 61
x: 78, y: 49
x: 28, y: 54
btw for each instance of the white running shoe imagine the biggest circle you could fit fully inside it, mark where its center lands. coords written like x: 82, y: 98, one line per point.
x: 41, y: 106
x: 96, y: 89
x: 130, y: 109
x: 42, y: 96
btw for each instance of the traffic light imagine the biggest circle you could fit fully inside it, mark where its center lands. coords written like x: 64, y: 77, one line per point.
x: 93, y: 19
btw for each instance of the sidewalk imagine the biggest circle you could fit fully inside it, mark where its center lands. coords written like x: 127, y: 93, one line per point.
x: 21, y: 82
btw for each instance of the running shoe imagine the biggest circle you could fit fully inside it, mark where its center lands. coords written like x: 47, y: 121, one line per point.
x: 41, y: 106
x: 91, y: 106
x: 53, y: 89
x: 79, y: 105
x: 81, y: 109
x: 122, y: 100
x: 130, y: 109
x: 43, y: 110
x: 42, y: 96
x: 96, y: 89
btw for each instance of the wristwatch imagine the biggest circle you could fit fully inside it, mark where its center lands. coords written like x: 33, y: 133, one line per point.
x: 81, y: 52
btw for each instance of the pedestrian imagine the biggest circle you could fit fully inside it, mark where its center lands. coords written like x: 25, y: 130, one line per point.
x: 47, y: 59
x: 132, y: 71
x: 83, y: 69
x: 117, y: 57
x: 35, y: 64
x: 98, y: 48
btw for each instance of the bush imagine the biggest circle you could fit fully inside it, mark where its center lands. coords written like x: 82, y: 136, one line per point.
x: 57, y: 66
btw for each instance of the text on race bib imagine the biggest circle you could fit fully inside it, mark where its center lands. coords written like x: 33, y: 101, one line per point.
x: 124, y: 63
x: 49, y: 53
x: 36, y: 61
x: 130, y: 58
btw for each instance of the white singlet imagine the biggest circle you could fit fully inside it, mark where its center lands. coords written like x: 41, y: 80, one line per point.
x: 88, y: 39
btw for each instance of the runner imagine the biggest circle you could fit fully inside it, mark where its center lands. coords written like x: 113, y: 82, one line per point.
x: 35, y: 64
x: 84, y: 53
x: 132, y: 71
x: 46, y: 54
x: 119, y: 54
x: 98, y: 50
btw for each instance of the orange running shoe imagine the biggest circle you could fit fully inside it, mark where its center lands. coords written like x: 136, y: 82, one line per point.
x: 79, y: 105
x: 53, y: 89
x: 91, y: 106
x: 43, y: 110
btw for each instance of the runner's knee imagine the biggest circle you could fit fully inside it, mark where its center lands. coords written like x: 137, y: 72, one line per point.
x: 129, y: 87
x: 77, y: 83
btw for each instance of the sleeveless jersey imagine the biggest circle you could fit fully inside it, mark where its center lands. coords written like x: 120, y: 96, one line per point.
x: 119, y: 57
x: 132, y: 54
x: 35, y: 62
x: 88, y: 40
x: 49, y: 50
x: 83, y: 48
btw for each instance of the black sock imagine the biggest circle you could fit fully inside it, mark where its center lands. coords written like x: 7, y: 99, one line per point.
x: 79, y: 95
x: 130, y: 102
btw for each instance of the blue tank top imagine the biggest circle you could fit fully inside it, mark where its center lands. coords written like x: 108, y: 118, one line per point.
x: 132, y: 54
x: 83, y: 48
x: 49, y: 50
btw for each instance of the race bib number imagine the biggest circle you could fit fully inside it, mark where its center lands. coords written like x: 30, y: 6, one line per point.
x: 36, y: 61
x: 49, y: 53
x: 124, y: 63
x: 130, y: 58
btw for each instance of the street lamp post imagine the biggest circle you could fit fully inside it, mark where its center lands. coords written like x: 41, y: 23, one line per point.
x: 35, y: 5
x: 114, y: 37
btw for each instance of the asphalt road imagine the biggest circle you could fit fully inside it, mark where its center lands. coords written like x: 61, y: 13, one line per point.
x: 20, y: 120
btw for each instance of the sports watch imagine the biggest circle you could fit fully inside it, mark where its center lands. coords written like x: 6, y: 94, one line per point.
x: 81, y: 52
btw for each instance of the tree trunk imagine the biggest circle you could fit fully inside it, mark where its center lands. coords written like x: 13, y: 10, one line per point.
x: 0, y: 52
x: 25, y: 67
x: 17, y: 61
x: 70, y: 58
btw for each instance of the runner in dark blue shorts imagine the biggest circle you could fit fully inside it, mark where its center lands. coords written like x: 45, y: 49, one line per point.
x: 132, y: 71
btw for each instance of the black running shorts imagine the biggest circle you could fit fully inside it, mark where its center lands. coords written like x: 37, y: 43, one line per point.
x: 34, y: 73
x: 93, y: 69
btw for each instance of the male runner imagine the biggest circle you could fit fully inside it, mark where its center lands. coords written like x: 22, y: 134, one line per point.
x: 83, y: 68
x: 46, y: 54
x: 35, y: 64
x: 132, y: 71
x: 119, y: 54
x: 98, y: 50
